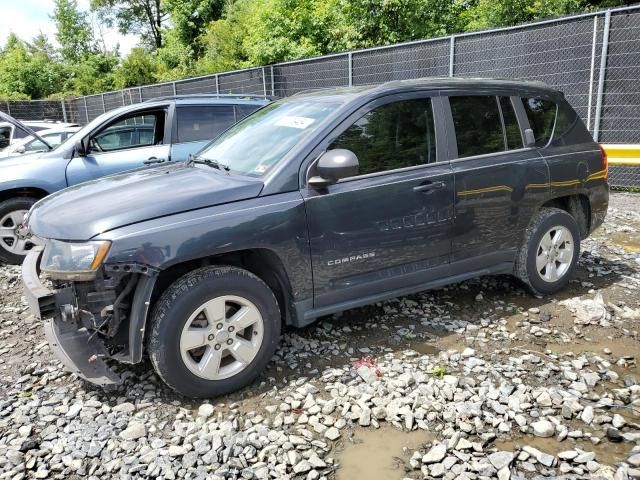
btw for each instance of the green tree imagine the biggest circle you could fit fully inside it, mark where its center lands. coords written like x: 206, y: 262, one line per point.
x: 72, y: 31
x: 142, y: 17
x: 29, y: 70
x: 190, y: 19
x: 138, y: 68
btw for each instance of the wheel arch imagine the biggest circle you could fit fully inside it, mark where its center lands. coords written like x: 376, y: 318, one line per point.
x: 578, y: 206
x: 34, y: 192
x: 262, y: 262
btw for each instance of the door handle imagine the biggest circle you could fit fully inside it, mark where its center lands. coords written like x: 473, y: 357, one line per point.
x: 427, y: 187
x: 152, y: 160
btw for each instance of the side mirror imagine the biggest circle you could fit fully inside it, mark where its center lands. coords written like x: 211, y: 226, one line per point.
x: 334, y: 165
x: 529, y: 138
x: 81, y: 148
x: 21, y: 149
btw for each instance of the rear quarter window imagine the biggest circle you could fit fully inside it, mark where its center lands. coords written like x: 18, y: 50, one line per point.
x: 569, y: 128
x: 203, y: 122
x: 542, y: 115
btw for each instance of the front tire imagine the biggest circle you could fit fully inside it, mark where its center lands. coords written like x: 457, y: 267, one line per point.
x: 549, y: 254
x: 213, y: 331
x: 13, y: 247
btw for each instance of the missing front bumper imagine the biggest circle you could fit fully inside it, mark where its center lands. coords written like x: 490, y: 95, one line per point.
x: 72, y: 344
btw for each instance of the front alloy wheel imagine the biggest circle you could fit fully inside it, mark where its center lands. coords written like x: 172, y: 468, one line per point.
x: 222, y: 337
x: 213, y: 331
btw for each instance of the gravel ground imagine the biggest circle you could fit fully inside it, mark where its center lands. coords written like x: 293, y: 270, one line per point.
x: 490, y: 381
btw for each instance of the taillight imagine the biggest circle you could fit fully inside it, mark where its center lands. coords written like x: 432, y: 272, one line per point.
x: 605, y: 161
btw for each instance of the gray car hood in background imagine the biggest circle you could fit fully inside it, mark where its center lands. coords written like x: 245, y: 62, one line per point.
x: 86, y: 210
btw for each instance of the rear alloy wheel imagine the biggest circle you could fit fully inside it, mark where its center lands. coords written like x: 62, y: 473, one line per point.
x: 549, y: 253
x: 213, y: 331
x: 14, y: 244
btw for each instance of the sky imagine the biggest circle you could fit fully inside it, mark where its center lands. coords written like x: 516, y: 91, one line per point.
x: 27, y: 18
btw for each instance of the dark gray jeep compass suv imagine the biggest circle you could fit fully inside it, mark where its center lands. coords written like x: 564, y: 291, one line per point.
x: 314, y: 204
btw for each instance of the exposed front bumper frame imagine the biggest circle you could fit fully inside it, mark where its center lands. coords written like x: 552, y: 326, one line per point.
x: 71, y: 343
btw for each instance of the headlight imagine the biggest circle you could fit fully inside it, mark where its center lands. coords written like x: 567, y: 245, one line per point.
x: 73, y: 261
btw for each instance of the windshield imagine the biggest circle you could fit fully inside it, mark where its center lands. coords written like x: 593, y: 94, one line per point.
x: 256, y: 144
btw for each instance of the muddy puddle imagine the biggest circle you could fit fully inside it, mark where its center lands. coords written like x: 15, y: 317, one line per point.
x: 630, y: 241
x: 378, y: 454
x: 606, y: 452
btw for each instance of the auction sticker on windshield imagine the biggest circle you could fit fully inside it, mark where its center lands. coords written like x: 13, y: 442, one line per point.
x: 295, y: 122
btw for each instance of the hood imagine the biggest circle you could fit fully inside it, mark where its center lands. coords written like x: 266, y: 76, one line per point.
x: 86, y: 210
x: 19, y: 160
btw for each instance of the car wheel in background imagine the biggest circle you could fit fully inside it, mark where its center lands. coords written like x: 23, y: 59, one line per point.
x: 14, y: 246
x: 213, y: 331
x: 550, y: 251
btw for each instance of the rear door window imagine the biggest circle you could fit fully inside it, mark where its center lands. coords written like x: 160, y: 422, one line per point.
x: 478, y: 126
x: 542, y: 115
x: 199, y: 123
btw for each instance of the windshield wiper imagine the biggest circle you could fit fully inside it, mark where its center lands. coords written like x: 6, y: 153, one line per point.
x: 206, y: 161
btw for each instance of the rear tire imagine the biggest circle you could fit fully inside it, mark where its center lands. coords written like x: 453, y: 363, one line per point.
x: 548, y: 256
x: 12, y: 248
x: 213, y: 331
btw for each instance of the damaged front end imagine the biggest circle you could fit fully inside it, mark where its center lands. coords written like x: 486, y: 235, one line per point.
x: 91, y: 321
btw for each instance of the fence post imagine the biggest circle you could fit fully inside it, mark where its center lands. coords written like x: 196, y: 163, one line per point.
x: 273, y: 89
x: 104, y: 106
x: 175, y: 92
x: 8, y: 108
x: 86, y: 110
x: 592, y: 71
x: 452, y: 51
x: 601, y: 76
x: 350, y: 63
x: 217, y: 85
x: 124, y: 101
x: 264, y: 83
x: 64, y: 111
x: 140, y: 93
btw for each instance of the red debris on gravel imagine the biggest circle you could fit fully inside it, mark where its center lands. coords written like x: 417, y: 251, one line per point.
x: 367, y: 362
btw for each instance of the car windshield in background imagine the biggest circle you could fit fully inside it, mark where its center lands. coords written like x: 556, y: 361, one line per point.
x: 257, y: 143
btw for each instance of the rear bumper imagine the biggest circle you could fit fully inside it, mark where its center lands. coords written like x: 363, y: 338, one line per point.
x: 82, y: 353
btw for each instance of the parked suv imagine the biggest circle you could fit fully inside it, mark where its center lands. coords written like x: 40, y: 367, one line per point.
x: 314, y: 204
x: 161, y: 130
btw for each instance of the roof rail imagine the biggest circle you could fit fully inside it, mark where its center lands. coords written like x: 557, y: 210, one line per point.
x: 211, y: 95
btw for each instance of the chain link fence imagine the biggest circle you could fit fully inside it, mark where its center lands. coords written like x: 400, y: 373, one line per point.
x: 593, y: 58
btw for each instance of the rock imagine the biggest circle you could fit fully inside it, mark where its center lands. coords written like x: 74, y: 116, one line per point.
x: 501, y: 459
x: 74, y: 410
x: 543, y: 428
x: 302, y: 467
x: 544, y: 458
x: 618, y: 421
x: 332, y: 433
x: 176, y: 450
x: 125, y: 407
x: 133, y: 431
x: 436, y: 454
x: 587, y: 414
x: 634, y: 460
x: 205, y: 410
x: 585, y: 457
x: 614, y: 435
